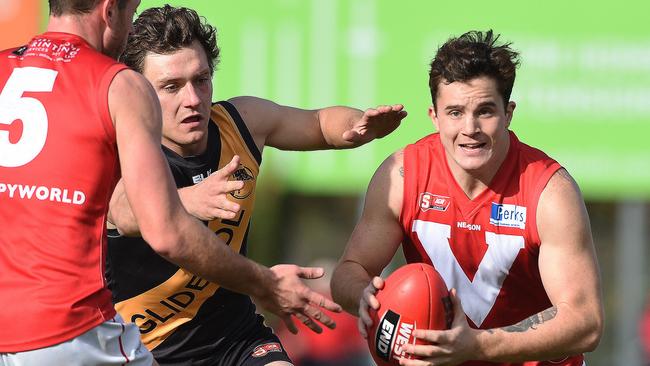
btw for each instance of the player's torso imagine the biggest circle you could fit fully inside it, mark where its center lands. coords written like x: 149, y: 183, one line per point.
x: 181, y: 315
x: 58, y: 166
x: 487, y: 248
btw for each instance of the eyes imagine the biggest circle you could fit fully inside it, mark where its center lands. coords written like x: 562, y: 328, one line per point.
x: 483, y: 112
x: 176, y: 85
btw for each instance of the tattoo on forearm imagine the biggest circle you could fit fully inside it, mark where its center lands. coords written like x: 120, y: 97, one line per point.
x: 533, y: 321
x: 401, y: 171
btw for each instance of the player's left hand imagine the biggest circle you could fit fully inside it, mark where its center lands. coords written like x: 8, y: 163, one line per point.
x: 294, y: 298
x: 375, y: 124
x: 446, y: 347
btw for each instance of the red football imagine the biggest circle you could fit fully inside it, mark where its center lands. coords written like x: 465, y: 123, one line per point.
x: 413, y: 297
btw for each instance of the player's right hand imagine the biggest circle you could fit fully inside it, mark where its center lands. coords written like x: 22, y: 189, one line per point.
x: 368, y: 300
x: 291, y: 297
x: 208, y: 199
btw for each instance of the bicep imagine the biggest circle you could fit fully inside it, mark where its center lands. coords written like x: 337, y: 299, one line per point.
x: 378, y: 233
x: 282, y: 127
x: 567, y: 259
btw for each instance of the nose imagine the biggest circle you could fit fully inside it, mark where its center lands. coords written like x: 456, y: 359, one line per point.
x: 191, y: 97
x: 470, y: 125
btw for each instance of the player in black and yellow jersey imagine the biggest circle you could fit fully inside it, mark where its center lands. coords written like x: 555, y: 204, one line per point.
x: 214, y: 152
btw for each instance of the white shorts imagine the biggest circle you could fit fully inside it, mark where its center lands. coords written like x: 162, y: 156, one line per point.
x: 110, y: 343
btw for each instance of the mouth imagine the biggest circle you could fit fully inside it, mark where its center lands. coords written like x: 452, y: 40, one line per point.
x: 472, y: 146
x: 192, y: 119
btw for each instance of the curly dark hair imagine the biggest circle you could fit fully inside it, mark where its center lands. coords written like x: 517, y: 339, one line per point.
x: 472, y: 55
x: 60, y: 7
x: 166, y: 30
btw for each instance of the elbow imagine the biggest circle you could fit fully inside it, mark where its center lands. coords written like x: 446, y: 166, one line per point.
x: 593, y: 332
x: 164, y: 242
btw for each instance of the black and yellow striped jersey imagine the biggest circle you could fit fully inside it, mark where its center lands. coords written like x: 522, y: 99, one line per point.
x: 180, y: 315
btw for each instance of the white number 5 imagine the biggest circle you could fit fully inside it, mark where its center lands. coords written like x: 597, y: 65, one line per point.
x: 25, y: 111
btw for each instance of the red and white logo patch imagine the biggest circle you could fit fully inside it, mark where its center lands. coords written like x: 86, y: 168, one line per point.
x: 430, y: 201
x: 263, y: 349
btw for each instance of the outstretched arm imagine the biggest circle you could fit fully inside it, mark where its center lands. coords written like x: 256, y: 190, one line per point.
x: 289, y: 128
x: 179, y: 237
x: 569, y: 272
x: 373, y: 243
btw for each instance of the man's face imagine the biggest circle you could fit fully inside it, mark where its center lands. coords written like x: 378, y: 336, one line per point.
x: 117, y: 35
x: 183, y: 83
x: 473, y: 125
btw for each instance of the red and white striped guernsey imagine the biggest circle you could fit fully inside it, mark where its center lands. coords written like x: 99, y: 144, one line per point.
x: 487, y: 248
x: 58, y: 168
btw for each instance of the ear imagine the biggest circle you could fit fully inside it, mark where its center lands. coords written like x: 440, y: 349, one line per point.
x: 510, y: 109
x: 109, y: 12
x: 434, y: 116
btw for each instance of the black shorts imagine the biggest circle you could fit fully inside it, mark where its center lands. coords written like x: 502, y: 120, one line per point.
x: 257, y: 347
x: 258, y: 350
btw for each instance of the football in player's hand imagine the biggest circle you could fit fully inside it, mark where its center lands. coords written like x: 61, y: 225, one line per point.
x: 414, y: 297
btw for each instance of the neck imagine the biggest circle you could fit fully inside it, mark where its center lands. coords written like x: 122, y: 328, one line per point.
x: 187, y: 150
x: 85, y: 26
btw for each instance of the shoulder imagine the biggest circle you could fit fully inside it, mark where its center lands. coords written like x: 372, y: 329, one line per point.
x: 561, y: 207
x: 130, y: 92
x: 561, y: 186
x: 387, y: 184
x: 128, y: 79
x: 253, y: 108
x: 392, y: 166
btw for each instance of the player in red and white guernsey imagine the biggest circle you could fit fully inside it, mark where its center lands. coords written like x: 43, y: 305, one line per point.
x: 71, y: 119
x: 504, y: 224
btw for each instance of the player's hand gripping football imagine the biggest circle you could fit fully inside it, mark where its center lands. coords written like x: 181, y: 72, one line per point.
x: 375, y: 124
x: 291, y: 297
x: 446, y: 347
x: 368, y: 300
x: 208, y: 200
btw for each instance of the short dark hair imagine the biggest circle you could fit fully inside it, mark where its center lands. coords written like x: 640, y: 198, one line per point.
x: 60, y: 7
x: 472, y: 55
x: 166, y: 30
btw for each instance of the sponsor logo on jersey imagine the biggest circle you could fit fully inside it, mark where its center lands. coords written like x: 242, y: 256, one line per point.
x: 430, y: 201
x: 508, y: 215
x: 244, y: 174
x: 20, y: 51
x: 264, y: 349
x: 470, y: 227
x: 200, y: 177
x: 42, y: 193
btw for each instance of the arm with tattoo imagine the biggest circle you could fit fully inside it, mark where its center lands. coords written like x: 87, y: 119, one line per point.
x: 532, y: 322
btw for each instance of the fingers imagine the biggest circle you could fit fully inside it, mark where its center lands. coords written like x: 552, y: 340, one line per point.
x: 323, y: 302
x: 309, y: 323
x: 218, y: 213
x: 428, y: 350
x: 229, y: 168
x: 362, y: 328
x: 369, y: 300
x: 310, y: 272
x: 364, y: 315
x: 315, y: 314
x: 407, y: 362
x: 351, y: 135
x: 233, y: 185
x: 431, y: 336
x: 289, y: 323
x: 459, y: 314
x: 378, y: 283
